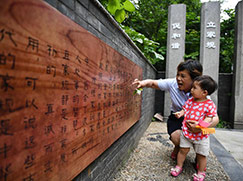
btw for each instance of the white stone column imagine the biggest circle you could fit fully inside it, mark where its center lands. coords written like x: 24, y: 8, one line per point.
x: 237, y: 90
x: 175, y: 45
x: 209, y: 41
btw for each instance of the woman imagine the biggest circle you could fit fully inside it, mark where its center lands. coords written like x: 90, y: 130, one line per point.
x: 179, y: 89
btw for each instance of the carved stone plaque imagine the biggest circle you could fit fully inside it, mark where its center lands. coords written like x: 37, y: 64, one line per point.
x: 66, y: 96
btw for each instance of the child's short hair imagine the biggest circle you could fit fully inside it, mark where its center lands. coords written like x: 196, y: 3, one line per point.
x: 194, y: 67
x: 207, y: 83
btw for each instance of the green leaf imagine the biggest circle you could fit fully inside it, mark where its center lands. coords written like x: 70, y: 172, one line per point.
x: 120, y: 15
x: 128, y: 6
x: 139, y: 40
x: 159, y: 56
x: 113, y: 5
x: 138, y: 91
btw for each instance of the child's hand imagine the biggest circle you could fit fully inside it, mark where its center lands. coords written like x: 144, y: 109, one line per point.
x: 178, y: 114
x: 192, y: 126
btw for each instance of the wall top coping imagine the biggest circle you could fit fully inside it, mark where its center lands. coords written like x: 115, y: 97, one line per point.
x: 111, y: 19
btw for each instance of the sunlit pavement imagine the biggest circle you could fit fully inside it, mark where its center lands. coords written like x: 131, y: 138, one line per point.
x: 227, y: 145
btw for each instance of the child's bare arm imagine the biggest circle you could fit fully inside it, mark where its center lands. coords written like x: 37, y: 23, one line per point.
x: 208, y: 119
x: 214, y: 122
x: 179, y: 113
x: 207, y: 122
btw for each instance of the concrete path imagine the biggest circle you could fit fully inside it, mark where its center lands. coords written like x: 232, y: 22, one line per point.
x: 227, y: 145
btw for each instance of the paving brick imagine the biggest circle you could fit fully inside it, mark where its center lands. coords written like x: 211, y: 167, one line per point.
x: 68, y: 3
x: 65, y: 10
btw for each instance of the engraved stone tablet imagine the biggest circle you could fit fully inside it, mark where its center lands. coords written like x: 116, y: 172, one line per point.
x: 66, y: 96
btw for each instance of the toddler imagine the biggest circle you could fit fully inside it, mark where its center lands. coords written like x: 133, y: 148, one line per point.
x: 200, y: 109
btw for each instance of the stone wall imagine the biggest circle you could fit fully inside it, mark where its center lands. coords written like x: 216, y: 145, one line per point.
x: 224, y: 96
x: 93, y: 17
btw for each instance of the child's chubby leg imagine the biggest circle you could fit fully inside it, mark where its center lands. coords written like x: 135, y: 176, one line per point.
x: 202, y: 150
x: 202, y: 162
x: 181, y: 156
x: 185, y: 145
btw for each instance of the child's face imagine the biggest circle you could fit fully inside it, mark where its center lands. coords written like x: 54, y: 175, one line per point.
x: 197, y: 92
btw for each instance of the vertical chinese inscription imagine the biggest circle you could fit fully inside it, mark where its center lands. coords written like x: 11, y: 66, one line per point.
x: 176, y: 35
x: 210, y: 35
x: 65, y: 95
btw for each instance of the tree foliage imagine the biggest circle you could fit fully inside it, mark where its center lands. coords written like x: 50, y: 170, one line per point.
x: 227, y: 34
x: 119, y: 8
x: 147, y: 27
x: 148, y: 47
x: 151, y: 19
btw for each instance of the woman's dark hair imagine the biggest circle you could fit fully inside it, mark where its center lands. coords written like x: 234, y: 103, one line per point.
x: 194, y: 67
x: 206, y: 83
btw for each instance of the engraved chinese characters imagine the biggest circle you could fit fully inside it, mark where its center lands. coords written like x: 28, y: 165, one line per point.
x: 210, y: 34
x: 175, y: 35
x: 65, y: 95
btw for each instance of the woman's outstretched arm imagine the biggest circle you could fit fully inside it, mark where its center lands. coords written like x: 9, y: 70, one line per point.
x: 146, y: 83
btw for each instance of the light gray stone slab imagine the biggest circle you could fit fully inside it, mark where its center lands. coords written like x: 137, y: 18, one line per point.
x: 209, y: 41
x: 237, y: 93
x: 175, y: 45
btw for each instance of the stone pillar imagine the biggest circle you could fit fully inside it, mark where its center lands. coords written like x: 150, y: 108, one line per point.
x: 209, y: 45
x: 175, y: 45
x: 237, y: 92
